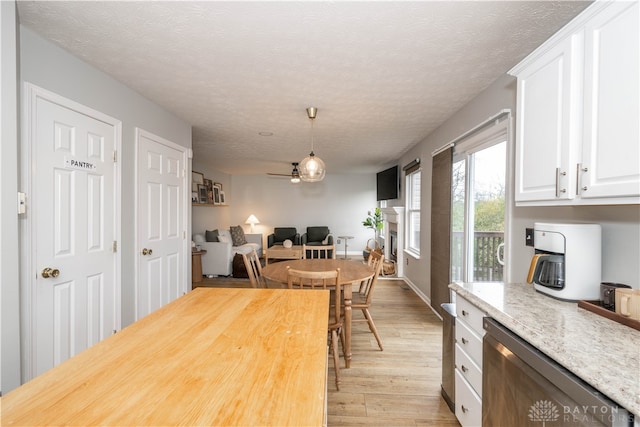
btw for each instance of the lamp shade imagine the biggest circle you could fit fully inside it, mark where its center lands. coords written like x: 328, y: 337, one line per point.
x: 252, y: 220
x: 312, y: 168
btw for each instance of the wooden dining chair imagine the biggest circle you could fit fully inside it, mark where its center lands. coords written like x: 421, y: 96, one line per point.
x: 297, y: 279
x: 319, y: 251
x: 254, y: 269
x: 362, y: 300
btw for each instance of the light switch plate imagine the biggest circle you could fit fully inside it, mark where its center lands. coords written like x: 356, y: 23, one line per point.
x: 528, y: 236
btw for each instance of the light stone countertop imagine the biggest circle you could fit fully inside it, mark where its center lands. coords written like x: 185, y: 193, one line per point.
x: 602, y: 352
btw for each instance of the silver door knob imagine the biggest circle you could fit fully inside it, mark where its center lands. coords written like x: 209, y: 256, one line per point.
x: 50, y: 272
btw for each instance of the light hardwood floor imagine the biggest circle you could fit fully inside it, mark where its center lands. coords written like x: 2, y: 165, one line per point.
x: 399, y: 386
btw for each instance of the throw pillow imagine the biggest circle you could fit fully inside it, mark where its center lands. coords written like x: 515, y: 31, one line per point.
x: 211, y: 236
x: 223, y: 239
x: 237, y: 235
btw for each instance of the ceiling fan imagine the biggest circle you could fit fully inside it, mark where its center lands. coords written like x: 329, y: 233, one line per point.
x: 294, y: 175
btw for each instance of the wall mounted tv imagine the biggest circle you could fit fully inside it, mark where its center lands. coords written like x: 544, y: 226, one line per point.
x: 387, y: 184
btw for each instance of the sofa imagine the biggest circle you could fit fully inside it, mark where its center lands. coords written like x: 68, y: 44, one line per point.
x: 218, y: 261
x: 280, y: 234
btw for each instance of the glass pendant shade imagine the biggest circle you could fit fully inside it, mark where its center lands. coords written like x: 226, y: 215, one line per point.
x: 312, y: 168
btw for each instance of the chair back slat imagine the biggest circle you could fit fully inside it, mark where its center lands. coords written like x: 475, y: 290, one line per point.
x: 254, y: 269
x: 319, y: 251
x: 376, y: 261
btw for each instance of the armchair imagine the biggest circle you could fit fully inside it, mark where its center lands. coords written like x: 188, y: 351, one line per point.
x: 280, y: 234
x: 317, y: 236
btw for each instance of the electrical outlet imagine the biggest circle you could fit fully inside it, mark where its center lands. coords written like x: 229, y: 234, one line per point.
x: 338, y: 242
x: 528, y: 236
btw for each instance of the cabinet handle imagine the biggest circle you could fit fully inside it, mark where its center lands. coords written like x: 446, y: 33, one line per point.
x: 465, y: 313
x: 464, y: 340
x: 465, y: 410
x: 464, y: 369
x: 558, y: 175
x: 579, y: 187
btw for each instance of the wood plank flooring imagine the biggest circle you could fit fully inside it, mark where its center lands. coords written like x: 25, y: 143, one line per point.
x: 399, y: 386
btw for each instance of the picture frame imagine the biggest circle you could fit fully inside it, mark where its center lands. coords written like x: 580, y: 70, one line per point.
x: 209, y: 184
x: 216, y: 195
x: 202, y: 193
x: 217, y: 184
x: 222, y: 198
x: 194, y: 197
x: 197, y: 178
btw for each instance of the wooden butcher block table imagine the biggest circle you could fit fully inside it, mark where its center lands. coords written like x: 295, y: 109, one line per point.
x: 213, y: 357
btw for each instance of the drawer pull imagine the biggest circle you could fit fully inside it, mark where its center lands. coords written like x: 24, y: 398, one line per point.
x: 464, y: 369
x: 465, y: 341
x: 465, y: 410
x: 465, y: 313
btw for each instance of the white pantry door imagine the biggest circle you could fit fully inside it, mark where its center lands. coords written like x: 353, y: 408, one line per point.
x: 75, y: 295
x: 162, y: 207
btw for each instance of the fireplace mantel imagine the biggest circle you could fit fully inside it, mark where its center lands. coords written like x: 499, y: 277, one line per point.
x: 394, y: 215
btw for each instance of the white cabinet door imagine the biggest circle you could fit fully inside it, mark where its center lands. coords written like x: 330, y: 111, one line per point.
x: 611, y: 148
x: 547, y: 119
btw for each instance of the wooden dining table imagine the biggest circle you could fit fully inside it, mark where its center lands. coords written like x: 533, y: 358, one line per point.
x: 351, y: 272
x: 214, y: 357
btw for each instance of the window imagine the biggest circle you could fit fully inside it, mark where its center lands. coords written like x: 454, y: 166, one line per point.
x: 478, y: 206
x: 413, y: 184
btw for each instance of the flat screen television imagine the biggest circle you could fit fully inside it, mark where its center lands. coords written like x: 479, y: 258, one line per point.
x: 387, y: 184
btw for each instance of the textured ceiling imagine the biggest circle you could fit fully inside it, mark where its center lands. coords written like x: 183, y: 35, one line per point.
x: 383, y: 75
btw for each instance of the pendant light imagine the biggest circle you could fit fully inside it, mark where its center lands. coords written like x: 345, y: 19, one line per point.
x: 312, y: 168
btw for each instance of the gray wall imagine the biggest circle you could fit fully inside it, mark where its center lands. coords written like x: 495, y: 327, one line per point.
x: 620, y: 224
x: 46, y: 65
x: 9, y: 260
x: 340, y: 202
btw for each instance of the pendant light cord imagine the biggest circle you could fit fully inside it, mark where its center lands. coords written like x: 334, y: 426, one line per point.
x: 312, y: 120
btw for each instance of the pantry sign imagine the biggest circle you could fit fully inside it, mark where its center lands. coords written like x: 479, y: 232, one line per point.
x: 71, y: 163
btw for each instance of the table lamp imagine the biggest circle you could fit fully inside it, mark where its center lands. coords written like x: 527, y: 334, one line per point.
x: 252, y: 220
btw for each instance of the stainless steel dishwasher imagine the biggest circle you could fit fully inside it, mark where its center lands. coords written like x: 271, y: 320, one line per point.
x: 521, y: 386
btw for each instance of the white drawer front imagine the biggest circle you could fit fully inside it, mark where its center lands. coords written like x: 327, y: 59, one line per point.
x: 471, y: 314
x: 469, y: 342
x: 468, y: 403
x: 469, y: 370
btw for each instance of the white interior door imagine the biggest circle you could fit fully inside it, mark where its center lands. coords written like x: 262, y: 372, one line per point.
x: 162, y: 207
x: 73, y: 212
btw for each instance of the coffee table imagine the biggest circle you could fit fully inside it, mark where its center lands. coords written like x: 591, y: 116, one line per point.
x: 280, y: 252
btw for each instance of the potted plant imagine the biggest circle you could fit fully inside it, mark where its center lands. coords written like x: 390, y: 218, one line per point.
x: 373, y: 221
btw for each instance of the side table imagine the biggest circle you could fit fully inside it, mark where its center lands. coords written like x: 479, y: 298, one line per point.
x: 345, y: 238
x: 196, y: 265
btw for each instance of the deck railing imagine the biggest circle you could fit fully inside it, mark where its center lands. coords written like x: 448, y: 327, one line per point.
x: 486, y: 267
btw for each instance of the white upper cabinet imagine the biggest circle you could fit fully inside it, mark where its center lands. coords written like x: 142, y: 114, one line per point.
x: 577, y: 129
x: 611, y: 148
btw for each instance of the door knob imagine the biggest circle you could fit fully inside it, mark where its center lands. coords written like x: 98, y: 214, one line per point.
x: 146, y: 251
x: 50, y: 272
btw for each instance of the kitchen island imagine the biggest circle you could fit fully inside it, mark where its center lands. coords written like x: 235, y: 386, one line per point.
x: 211, y: 357
x: 603, y: 353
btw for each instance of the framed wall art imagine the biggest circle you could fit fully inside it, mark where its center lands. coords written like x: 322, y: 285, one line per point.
x: 202, y: 193
x: 216, y: 195
x: 196, y: 179
x: 222, y: 198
